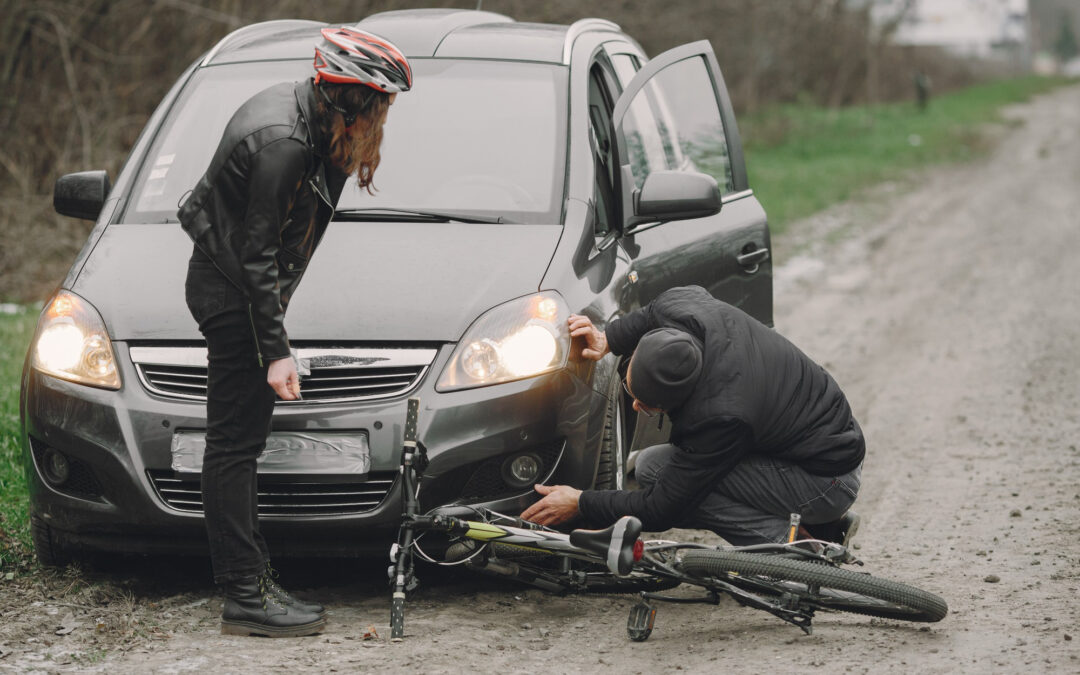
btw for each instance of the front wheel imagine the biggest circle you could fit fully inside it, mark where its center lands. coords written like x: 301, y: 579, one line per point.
x: 611, y: 468
x: 817, y: 585
x: 50, y: 552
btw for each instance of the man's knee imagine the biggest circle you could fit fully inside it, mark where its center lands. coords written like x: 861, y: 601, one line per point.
x: 651, y: 460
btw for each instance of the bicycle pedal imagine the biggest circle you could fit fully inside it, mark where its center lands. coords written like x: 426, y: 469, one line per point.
x: 640, y: 623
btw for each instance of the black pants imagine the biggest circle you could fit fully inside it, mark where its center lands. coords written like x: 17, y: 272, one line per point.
x: 238, y: 411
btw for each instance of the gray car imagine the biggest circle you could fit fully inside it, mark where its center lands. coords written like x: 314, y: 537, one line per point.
x: 534, y: 171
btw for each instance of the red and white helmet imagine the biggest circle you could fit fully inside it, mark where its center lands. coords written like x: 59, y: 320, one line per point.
x: 350, y: 56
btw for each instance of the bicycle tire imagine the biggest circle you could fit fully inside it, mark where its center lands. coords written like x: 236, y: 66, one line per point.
x: 839, y: 589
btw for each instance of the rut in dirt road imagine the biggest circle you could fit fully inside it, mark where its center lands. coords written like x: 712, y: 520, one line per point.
x: 953, y: 325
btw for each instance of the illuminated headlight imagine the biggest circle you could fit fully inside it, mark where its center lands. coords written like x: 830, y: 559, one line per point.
x: 71, y: 343
x: 522, y: 338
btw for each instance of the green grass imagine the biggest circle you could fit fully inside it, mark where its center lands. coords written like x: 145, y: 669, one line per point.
x: 15, y: 548
x: 802, y: 158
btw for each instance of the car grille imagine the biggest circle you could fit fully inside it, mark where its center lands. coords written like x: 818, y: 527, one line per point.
x: 284, y: 497
x: 337, y: 374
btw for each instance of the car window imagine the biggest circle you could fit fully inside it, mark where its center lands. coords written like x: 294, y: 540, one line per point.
x: 601, y: 102
x: 482, y: 137
x: 674, y: 123
x: 626, y: 66
x: 645, y: 137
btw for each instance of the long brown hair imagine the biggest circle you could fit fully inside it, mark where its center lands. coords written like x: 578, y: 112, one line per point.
x: 354, y: 149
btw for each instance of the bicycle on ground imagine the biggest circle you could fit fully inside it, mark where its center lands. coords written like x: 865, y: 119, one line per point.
x: 792, y: 580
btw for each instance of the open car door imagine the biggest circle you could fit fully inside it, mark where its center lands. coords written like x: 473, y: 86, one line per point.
x: 675, y: 116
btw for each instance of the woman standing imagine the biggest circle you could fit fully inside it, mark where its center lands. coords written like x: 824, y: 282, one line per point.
x: 256, y: 216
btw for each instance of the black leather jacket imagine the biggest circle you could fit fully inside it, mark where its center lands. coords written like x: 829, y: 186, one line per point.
x: 263, y: 204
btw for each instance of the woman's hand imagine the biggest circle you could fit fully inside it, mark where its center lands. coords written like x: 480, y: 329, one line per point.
x: 283, y: 379
x: 595, y: 340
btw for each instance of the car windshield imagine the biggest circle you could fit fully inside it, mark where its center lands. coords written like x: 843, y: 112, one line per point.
x: 483, y: 138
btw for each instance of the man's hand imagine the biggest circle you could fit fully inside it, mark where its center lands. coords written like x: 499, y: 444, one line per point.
x: 595, y: 340
x: 283, y: 379
x: 560, y: 504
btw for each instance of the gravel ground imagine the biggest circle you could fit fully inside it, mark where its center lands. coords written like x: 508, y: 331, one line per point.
x: 948, y: 309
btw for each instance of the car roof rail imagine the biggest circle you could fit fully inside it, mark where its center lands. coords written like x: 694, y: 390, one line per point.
x: 582, y: 26
x: 255, y: 31
x: 419, y: 32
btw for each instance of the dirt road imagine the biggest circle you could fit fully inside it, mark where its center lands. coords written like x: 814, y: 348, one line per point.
x: 948, y: 308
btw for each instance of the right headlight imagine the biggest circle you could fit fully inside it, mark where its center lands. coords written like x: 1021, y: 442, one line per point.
x: 522, y: 338
x: 71, y: 343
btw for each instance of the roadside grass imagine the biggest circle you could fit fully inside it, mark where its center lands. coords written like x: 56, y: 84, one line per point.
x: 16, y: 552
x: 803, y: 158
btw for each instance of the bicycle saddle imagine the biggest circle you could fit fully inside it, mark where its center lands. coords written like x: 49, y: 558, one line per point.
x: 615, y: 544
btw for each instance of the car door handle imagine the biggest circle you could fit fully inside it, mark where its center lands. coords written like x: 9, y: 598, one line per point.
x: 753, y: 258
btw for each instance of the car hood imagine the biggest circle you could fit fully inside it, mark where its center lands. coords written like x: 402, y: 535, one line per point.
x: 410, y: 282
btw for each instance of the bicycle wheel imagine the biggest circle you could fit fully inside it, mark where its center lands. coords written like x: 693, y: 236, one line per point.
x: 818, y: 585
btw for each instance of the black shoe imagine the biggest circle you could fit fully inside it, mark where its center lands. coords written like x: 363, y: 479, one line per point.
x: 838, y: 531
x: 284, y: 597
x: 250, y: 609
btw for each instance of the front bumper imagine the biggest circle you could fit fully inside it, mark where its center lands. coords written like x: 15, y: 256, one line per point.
x: 122, y: 439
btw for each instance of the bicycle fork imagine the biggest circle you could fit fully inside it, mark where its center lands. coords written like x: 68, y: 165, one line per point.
x: 413, y: 458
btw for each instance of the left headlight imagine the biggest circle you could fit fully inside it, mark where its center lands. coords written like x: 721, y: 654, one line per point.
x: 71, y: 343
x: 522, y: 338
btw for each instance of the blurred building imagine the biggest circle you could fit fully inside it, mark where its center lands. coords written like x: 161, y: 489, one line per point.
x: 998, y: 30
x: 1055, y: 36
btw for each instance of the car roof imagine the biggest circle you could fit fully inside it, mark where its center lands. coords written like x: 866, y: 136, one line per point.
x: 442, y: 33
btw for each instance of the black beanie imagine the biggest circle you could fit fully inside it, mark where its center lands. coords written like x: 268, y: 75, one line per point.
x: 665, y: 368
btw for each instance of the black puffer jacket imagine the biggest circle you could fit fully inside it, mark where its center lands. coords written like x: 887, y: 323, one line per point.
x: 264, y: 203
x: 757, y: 393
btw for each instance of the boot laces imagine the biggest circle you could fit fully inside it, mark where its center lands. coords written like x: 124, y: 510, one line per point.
x: 266, y: 589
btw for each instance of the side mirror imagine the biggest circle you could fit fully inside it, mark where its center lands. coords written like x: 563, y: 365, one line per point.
x: 81, y: 195
x: 674, y: 195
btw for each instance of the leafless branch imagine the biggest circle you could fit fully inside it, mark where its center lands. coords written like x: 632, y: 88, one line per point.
x: 202, y: 12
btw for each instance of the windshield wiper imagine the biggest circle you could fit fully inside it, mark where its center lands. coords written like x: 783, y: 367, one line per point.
x: 412, y: 215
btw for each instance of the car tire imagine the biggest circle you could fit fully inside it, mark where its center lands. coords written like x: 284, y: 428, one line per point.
x: 50, y: 553
x: 611, y: 469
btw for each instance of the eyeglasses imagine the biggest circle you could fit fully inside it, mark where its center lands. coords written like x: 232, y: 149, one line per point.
x: 644, y: 409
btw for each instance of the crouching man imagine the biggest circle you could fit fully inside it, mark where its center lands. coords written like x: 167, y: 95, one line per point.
x: 759, y: 431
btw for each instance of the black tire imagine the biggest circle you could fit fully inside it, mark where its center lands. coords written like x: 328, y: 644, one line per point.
x: 50, y: 553
x: 611, y: 468
x: 838, y: 589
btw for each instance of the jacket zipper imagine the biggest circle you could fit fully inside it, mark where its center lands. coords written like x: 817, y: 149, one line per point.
x: 255, y: 335
x: 323, y: 197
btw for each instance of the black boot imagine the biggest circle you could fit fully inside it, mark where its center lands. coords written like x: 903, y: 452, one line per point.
x: 250, y: 609
x: 284, y: 597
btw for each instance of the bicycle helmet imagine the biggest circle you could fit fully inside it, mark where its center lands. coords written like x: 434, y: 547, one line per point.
x: 350, y: 56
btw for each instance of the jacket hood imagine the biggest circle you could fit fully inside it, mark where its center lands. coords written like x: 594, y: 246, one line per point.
x: 374, y: 282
